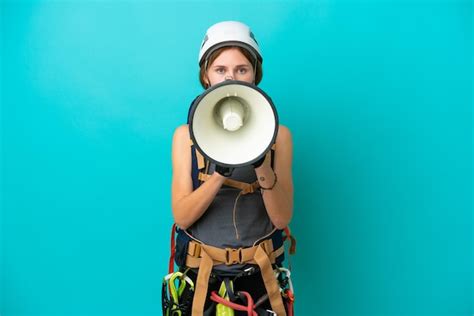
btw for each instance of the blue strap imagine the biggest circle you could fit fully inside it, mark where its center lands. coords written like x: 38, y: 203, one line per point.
x: 194, y: 168
x: 194, y: 163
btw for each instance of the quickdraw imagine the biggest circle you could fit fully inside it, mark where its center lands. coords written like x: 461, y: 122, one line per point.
x: 177, y: 294
x: 286, y: 287
x: 224, y: 309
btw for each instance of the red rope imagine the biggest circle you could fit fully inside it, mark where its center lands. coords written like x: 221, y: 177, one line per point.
x: 290, y: 302
x: 249, y: 308
x: 172, y: 249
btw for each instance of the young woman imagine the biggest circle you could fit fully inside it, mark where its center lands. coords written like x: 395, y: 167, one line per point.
x: 209, y: 215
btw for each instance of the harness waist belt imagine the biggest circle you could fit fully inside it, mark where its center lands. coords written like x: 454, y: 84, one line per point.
x: 229, y: 256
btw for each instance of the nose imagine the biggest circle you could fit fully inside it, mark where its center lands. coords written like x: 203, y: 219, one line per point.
x: 229, y: 77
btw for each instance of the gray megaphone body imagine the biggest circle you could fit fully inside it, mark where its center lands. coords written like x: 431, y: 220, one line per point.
x: 233, y: 123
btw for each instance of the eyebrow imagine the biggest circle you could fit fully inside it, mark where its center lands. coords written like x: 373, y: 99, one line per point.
x: 241, y: 65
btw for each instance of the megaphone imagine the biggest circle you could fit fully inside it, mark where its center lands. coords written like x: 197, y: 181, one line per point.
x: 233, y: 123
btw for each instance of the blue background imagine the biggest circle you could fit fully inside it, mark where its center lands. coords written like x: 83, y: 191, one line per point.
x: 378, y: 95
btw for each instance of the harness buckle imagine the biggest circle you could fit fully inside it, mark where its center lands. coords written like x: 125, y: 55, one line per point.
x: 194, y: 250
x: 233, y: 256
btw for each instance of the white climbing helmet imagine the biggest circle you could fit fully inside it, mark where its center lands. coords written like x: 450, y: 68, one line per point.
x: 228, y: 33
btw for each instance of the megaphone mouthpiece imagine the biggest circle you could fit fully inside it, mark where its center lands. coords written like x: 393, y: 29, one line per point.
x: 231, y: 114
x: 232, y: 122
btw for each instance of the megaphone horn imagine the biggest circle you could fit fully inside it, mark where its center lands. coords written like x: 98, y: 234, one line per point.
x: 233, y: 123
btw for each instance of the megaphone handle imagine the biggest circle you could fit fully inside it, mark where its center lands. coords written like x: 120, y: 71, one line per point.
x: 224, y: 171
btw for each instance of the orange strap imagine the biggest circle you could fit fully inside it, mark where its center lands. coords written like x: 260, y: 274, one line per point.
x: 292, y: 239
x: 245, y: 187
x: 200, y: 160
x: 229, y: 256
x: 202, y: 283
x: 270, y: 281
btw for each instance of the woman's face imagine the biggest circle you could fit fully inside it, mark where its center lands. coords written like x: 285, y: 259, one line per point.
x: 230, y: 64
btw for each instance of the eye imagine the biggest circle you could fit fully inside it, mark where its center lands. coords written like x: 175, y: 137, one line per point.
x: 220, y: 70
x: 243, y: 70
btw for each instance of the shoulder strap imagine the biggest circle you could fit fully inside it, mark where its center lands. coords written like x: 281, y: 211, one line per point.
x: 196, y: 157
x: 194, y: 167
x: 198, y: 165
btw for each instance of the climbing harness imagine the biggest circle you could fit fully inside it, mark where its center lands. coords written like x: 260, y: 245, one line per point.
x: 266, y: 254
